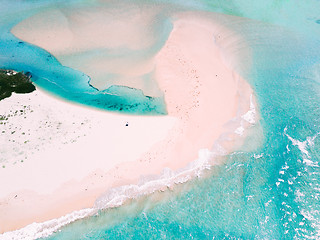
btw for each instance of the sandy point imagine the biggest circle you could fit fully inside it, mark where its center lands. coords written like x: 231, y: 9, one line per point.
x: 73, y: 154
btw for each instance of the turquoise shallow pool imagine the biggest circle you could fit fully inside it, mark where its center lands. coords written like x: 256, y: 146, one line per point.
x: 269, y: 191
x: 65, y: 82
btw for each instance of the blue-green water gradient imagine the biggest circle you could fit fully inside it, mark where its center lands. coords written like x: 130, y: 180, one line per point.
x: 270, y: 192
x: 65, y: 82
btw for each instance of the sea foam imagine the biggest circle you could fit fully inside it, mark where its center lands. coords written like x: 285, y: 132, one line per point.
x: 116, y: 197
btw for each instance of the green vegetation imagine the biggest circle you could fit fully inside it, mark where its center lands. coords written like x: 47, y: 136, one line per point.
x: 11, y: 81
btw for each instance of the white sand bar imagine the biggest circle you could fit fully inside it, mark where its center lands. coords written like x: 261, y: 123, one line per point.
x: 79, y: 153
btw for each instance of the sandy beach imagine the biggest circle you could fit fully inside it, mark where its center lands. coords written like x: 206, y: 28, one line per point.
x: 60, y: 157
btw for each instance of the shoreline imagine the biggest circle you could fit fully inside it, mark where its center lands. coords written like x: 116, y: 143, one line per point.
x: 192, y: 124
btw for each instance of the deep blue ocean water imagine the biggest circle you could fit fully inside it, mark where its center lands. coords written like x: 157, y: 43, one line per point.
x: 270, y: 187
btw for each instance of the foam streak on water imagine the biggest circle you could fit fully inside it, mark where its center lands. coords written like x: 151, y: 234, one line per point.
x: 149, y: 184
x: 45, y: 229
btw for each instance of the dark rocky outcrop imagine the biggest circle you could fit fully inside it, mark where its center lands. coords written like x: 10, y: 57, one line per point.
x: 12, y: 81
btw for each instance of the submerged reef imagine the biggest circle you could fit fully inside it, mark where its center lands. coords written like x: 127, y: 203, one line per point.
x: 12, y: 81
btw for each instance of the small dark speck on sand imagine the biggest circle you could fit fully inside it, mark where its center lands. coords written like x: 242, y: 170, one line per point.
x: 127, y: 124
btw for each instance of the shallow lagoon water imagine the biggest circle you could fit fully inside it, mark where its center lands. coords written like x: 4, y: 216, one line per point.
x: 71, y: 84
x: 269, y: 191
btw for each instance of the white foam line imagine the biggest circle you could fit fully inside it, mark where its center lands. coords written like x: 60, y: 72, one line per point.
x: 302, y: 146
x: 115, y: 197
x: 250, y: 116
x: 45, y: 229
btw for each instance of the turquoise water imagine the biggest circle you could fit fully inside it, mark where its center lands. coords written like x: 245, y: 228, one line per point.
x: 269, y: 191
x: 62, y: 81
